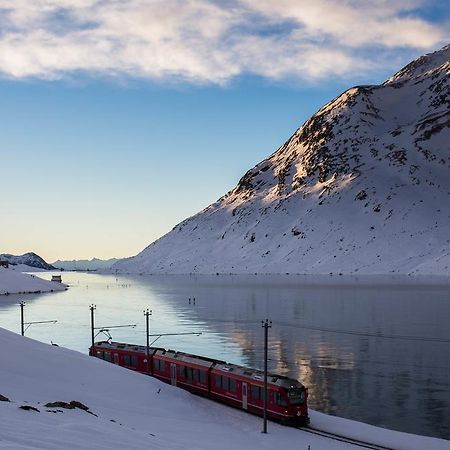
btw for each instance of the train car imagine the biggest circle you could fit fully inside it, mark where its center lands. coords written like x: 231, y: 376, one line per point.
x: 226, y: 383
x: 132, y: 357
x: 244, y: 388
x: 190, y: 372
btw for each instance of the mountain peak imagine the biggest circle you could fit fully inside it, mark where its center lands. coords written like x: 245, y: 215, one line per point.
x: 438, y: 60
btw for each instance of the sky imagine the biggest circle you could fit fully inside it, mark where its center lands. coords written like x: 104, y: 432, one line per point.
x: 120, y: 118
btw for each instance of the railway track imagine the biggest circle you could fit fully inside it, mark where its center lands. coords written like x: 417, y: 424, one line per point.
x: 348, y: 440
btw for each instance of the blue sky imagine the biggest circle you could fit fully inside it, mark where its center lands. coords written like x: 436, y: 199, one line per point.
x: 119, y: 119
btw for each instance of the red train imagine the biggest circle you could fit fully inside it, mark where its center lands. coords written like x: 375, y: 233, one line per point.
x: 227, y: 383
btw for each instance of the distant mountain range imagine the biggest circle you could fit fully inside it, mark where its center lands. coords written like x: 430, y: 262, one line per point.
x: 363, y: 186
x: 28, y: 259
x: 85, y: 264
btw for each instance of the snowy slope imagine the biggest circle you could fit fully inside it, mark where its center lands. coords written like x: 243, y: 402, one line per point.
x: 363, y: 186
x: 133, y: 411
x: 14, y: 282
x: 28, y: 259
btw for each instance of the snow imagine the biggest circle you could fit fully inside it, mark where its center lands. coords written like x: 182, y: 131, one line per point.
x: 362, y: 187
x: 25, y: 268
x: 134, y: 411
x: 12, y: 281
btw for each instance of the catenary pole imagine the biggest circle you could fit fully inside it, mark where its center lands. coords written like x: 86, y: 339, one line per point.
x: 147, y: 314
x: 22, y: 323
x: 266, y: 324
x: 92, y: 308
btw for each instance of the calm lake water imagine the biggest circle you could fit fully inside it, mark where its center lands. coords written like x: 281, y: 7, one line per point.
x: 377, y: 352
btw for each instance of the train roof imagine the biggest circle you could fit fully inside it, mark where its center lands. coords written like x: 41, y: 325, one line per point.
x: 188, y: 358
x: 218, y: 365
x: 258, y: 375
x: 123, y: 346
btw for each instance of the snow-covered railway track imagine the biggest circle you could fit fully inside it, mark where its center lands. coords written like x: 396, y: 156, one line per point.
x: 346, y: 439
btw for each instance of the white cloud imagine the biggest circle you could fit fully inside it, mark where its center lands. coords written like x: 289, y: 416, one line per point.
x: 205, y: 40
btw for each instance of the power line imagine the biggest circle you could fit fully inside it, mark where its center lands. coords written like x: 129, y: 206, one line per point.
x: 338, y: 331
x: 365, y: 334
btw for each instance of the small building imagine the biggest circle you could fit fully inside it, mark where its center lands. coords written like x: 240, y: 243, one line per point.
x: 57, y: 278
x: 4, y: 264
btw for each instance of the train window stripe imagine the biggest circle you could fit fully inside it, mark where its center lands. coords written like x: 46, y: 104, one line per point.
x: 251, y: 404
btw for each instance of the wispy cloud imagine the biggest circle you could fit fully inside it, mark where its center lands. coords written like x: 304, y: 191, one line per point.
x: 207, y: 41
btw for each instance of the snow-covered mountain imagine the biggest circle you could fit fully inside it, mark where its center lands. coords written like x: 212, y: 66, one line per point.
x: 363, y: 186
x: 85, y: 264
x: 28, y: 259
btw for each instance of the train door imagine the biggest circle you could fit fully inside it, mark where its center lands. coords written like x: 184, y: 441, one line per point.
x: 116, y: 358
x: 173, y: 374
x: 244, y: 395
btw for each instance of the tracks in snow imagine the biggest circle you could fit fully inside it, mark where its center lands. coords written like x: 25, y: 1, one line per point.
x: 338, y: 437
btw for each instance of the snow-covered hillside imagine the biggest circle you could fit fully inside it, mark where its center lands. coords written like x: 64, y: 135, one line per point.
x: 28, y: 259
x: 363, y: 186
x: 127, y: 410
x: 85, y: 264
x: 14, y: 282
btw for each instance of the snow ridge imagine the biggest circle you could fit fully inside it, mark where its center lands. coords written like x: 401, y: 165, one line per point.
x: 363, y: 186
x: 85, y: 264
x: 28, y: 259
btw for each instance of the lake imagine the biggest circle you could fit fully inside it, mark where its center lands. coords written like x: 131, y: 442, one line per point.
x: 373, y: 349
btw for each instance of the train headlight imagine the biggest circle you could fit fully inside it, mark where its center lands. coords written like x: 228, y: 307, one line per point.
x: 299, y: 413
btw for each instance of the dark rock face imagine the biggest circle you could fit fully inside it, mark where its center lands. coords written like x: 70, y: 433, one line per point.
x: 74, y: 404
x: 3, y: 398
x: 71, y: 405
x: 28, y: 408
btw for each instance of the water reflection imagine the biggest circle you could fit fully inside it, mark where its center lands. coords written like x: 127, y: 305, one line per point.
x: 373, y: 352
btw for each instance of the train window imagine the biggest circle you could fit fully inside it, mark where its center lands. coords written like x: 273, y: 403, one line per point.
x: 225, y: 383
x: 134, y: 361
x: 189, y: 374
x: 100, y: 355
x: 279, y: 400
x: 218, y: 381
x: 126, y: 360
x: 202, y: 376
x: 195, y: 375
x: 232, y: 385
x: 107, y: 356
x: 255, y: 392
x: 160, y: 366
x: 296, y: 395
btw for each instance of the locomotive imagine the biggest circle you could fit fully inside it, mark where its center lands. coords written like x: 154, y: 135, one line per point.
x: 218, y: 380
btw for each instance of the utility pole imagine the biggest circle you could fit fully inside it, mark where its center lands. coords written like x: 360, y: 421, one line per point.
x: 22, y: 324
x: 28, y: 324
x: 92, y: 308
x: 266, y: 324
x: 147, y: 314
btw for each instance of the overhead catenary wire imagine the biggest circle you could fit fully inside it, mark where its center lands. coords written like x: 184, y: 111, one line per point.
x: 337, y: 330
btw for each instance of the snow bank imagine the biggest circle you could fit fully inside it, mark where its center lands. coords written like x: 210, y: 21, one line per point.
x: 134, y: 411
x: 14, y: 282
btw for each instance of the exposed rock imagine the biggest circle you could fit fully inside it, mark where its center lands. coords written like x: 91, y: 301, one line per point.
x: 28, y: 408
